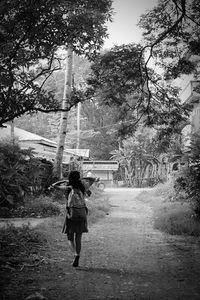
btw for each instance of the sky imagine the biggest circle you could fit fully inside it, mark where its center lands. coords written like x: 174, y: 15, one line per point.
x: 123, y: 29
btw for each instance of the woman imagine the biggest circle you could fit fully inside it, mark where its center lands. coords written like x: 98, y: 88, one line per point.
x: 72, y: 228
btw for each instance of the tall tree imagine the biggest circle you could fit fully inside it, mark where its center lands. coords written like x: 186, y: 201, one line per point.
x: 136, y: 154
x: 100, y: 129
x: 117, y: 79
x: 96, y: 15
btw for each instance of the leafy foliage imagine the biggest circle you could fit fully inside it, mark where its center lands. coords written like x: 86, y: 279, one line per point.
x: 31, y: 34
x: 189, y: 181
x: 119, y: 69
x: 136, y: 153
x: 13, y: 181
x: 118, y: 81
x: 99, y: 129
x: 48, y: 124
x: 172, y: 32
x: 21, y: 173
x: 40, y: 176
x: 115, y: 79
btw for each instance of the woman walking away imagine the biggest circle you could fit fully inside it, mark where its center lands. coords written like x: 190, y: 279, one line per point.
x: 76, y: 213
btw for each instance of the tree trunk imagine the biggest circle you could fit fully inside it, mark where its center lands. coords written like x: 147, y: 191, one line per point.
x: 78, y: 125
x: 63, y: 121
x: 12, y: 131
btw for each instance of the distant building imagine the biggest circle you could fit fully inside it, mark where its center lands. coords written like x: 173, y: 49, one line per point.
x: 99, y: 168
x: 190, y: 95
x: 41, y: 146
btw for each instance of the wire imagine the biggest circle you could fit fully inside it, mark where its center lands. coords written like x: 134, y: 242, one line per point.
x: 111, y: 125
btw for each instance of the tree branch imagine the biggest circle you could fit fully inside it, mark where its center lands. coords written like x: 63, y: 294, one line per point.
x: 161, y: 37
x: 35, y: 109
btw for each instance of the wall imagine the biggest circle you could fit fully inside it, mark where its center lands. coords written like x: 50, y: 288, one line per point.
x: 104, y: 174
x: 196, y: 118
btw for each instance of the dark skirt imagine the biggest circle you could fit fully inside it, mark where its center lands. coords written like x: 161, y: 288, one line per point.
x: 71, y: 227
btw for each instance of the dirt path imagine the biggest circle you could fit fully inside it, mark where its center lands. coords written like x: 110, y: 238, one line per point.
x: 123, y: 257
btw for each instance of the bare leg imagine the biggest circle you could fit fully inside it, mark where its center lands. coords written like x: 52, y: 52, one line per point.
x: 72, y: 244
x: 78, y: 237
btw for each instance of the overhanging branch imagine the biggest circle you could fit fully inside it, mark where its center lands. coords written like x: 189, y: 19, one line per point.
x: 161, y: 37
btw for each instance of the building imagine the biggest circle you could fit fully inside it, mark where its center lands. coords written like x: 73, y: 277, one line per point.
x: 102, y: 169
x: 191, y: 95
x: 41, y: 146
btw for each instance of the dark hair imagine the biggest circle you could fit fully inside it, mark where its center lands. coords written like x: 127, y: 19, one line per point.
x: 75, y: 181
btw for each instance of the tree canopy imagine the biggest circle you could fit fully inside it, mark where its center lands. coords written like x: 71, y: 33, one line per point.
x: 118, y: 81
x: 172, y: 36
x: 31, y: 33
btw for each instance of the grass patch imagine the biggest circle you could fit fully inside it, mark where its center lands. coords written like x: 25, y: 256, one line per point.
x: 24, y: 245
x: 50, y: 206
x: 98, y: 205
x: 175, y: 217
x: 22, y: 250
x: 29, y: 253
x: 20, y: 246
x: 41, y: 206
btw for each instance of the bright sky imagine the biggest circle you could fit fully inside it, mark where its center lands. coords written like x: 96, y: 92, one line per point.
x: 123, y: 29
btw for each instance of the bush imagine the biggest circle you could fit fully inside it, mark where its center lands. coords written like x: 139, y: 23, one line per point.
x: 21, y: 174
x: 171, y: 215
x: 189, y: 180
x: 166, y: 190
x: 58, y: 196
x: 13, y: 180
x: 177, y: 219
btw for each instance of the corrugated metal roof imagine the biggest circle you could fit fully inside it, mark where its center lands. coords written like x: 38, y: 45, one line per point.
x: 79, y: 152
x: 27, y: 138
x: 23, y: 135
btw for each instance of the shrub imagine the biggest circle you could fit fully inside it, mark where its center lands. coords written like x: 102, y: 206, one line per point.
x: 169, y: 215
x: 166, y: 190
x: 189, y: 179
x: 39, y: 171
x: 177, y: 219
x: 58, y: 196
x: 13, y: 180
x: 21, y: 173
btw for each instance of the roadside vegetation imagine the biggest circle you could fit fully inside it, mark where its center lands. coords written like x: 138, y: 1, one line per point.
x: 36, y: 207
x: 24, y: 193
x: 174, y: 213
x: 24, y: 249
